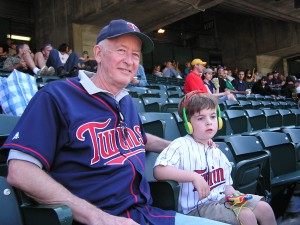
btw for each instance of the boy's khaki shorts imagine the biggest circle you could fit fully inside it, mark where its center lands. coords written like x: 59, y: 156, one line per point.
x: 218, y: 211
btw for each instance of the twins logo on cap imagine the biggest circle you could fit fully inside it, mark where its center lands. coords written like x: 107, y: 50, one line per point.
x: 133, y: 27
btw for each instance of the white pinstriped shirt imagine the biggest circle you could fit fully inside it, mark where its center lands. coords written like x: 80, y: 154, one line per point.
x: 187, y: 154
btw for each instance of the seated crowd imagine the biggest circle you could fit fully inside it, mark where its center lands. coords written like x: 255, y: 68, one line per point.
x: 94, y: 150
x: 61, y: 62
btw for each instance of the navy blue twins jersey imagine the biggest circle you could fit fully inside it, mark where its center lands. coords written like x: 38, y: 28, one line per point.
x: 91, y: 144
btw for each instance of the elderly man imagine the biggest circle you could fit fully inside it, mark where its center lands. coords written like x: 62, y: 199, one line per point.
x: 89, y: 153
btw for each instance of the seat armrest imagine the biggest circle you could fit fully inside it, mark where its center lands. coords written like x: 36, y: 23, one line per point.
x: 165, y: 194
x: 47, y: 214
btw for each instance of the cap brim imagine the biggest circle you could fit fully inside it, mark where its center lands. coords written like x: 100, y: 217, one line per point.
x: 147, y: 44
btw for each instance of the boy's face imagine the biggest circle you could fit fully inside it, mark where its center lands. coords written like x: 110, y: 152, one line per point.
x: 205, y: 125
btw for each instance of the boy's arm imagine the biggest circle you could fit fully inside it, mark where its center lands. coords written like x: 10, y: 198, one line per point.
x: 182, y: 176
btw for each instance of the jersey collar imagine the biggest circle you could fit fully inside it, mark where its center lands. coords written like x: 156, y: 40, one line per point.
x: 91, y: 88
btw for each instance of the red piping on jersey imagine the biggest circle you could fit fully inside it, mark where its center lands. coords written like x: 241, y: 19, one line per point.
x: 30, y: 150
x: 134, y: 175
x: 128, y: 213
x: 157, y: 216
x: 97, y: 98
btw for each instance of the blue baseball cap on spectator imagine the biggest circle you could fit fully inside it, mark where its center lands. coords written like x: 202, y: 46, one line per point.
x: 120, y: 27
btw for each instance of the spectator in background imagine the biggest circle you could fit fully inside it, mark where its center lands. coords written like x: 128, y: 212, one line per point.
x: 175, y: 65
x: 87, y: 63
x: 221, y: 79
x: 261, y: 87
x: 156, y: 71
x: 270, y: 79
x: 139, y: 80
x: 193, y: 81
x: 40, y: 58
x: 288, y: 88
x: 222, y: 96
x: 169, y: 71
x: 63, y: 63
x: 276, y: 81
x: 23, y: 61
x: 187, y: 69
x: 249, y: 78
x: 240, y: 84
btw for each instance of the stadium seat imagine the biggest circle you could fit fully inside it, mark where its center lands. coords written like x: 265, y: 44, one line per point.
x: 257, y: 119
x: 165, y: 194
x: 153, y: 104
x: 274, y: 119
x: 162, y: 93
x: 256, y: 104
x: 252, y: 170
x: 175, y: 94
x: 283, y: 160
x: 240, y: 96
x: 139, y: 104
x: 180, y: 124
x: 289, y: 119
x: 171, y: 131
x: 231, y: 103
x: 293, y: 134
x: 15, y: 212
x: 238, y: 121
x: 245, y: 104
x: 7, y: 124
x: 297, y: 112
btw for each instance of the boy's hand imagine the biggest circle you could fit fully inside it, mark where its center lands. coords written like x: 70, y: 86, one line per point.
x: 201, y: 186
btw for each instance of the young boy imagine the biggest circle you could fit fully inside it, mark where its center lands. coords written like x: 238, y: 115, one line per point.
x: 203, y: 171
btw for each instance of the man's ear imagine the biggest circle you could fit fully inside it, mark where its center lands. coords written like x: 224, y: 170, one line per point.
x: 98, y: 53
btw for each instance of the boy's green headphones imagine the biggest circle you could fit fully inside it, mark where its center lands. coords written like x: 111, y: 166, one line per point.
x: 187, y: 125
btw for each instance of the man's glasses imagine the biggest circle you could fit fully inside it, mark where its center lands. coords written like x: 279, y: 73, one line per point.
x: 122, y: 123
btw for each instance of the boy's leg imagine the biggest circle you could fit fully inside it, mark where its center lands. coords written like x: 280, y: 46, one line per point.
x: 181, y: 219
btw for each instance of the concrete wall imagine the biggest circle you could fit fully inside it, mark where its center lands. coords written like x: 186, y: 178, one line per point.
x: 247, y: 41
x: 241, y: 40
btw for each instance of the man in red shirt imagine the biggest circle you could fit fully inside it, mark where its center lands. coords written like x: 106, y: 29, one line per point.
x: 193, y: 80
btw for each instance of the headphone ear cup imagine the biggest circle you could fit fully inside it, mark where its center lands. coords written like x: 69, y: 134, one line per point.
x: 220, y: 123
x: 188, y: 127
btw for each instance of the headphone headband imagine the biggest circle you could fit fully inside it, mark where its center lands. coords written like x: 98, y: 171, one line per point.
x: 188, y: 126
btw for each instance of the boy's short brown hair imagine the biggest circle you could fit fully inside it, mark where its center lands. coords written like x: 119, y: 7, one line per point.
x: 195, y: 102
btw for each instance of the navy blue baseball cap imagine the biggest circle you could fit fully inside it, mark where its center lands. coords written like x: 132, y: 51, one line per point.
x: 120, y: 27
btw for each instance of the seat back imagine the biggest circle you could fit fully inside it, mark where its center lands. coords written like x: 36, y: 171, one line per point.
x: 162, y: 93
x: 165, y: 194
x: 153, y: 104
x: 10, y: 210
x: 282, y: 152
x: 257, y: 119
x: 7, y: 124
x: 274, y: 119
x: 246, y: 104
x: 255, y: 163
x: 247, y: 177
x: 238, y: 121
x: 293, y: 134
x: 139, y: 104
x: 171, y: 131
x: 297, y: 112
x: 288, y: 118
